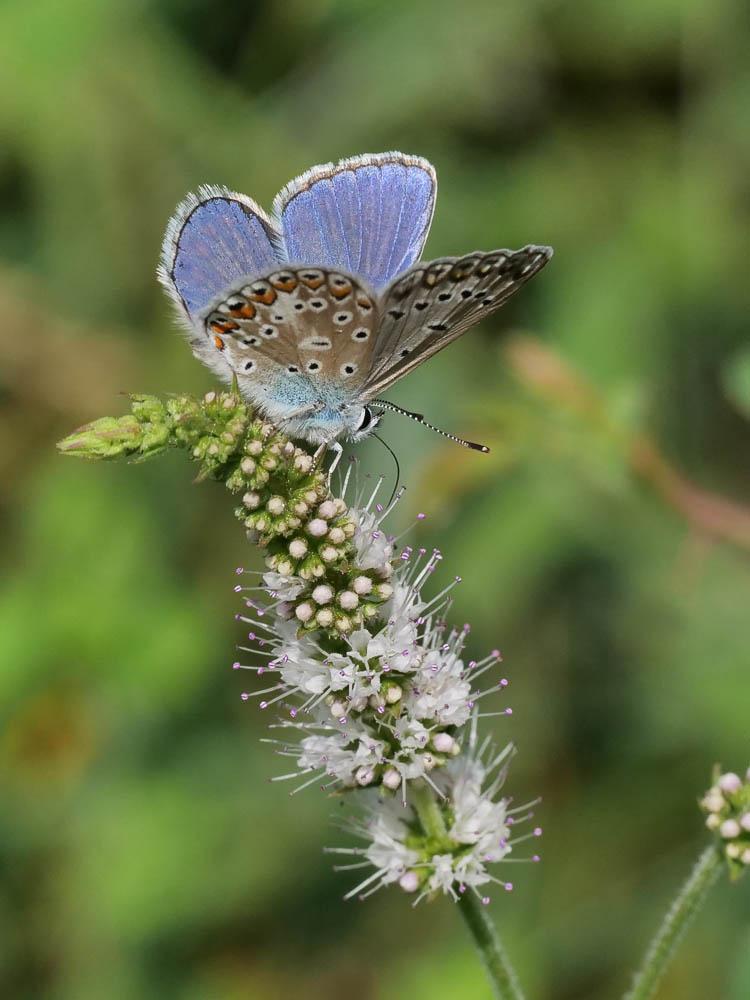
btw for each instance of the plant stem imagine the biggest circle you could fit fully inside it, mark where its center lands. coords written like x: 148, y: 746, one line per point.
x: 669, y: 935
x: 505, y: 984
x: 499, y: 970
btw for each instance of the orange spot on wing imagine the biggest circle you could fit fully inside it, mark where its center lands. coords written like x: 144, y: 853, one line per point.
x: 219, y: 343
x: 245, y: 311
x: 284, y: 284
x: 267, y: 296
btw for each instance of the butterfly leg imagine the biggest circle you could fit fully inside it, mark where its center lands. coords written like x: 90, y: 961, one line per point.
x: 339, y: 449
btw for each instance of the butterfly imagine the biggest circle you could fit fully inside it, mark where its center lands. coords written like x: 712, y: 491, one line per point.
x: 321, y: 306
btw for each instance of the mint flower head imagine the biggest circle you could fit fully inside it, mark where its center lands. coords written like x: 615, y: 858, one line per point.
x: 727, y: 808
x: 382, y: 704
x: 369, y: 689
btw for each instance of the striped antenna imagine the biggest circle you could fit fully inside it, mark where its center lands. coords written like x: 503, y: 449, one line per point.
x: 383, y: 404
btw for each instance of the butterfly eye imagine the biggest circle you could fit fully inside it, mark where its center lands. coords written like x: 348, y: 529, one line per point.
x: 365, y: 419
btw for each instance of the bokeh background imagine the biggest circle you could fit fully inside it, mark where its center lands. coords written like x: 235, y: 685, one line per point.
x: 605, y: 543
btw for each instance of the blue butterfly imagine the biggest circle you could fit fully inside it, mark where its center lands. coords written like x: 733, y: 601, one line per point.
x: 322, y: 306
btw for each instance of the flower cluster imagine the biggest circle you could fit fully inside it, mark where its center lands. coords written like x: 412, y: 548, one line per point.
x: 374, y: 687
x: 383, y: 704
x: 444, y: 845
x: 727, y: 808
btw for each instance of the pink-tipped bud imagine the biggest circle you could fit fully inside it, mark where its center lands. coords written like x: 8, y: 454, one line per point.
x: 443, y: 742
x: 730, y: 829
x: 362, y: 585
x: 409, y: 881
x: 304, y: 611
x: 730, y: 783
x: 298, y: 548
x: 322, y: 594
x: 348, y: 600
x: 276, y: 506
x: 392, y: 779
x: 317, y: 527
x: 324, y: 618
x: 327, y: 510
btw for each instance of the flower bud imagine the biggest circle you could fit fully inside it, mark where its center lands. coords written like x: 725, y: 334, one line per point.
x: 322, y: 594
x: 304, y: 611
x: 298, y: 548
x: 328, y: 553
x: 409, y: 881
x: 392, y: 779
x: 324, y: 617
x: 730, y: 829
x: 730, y: 783
x: 251, y: 500
x: 362, y: 585
x: 337, y: 536
x: 276, y: 506
x: 364, y: 776
x: 348, y: 600
x: 317, y: 527
x: 393, y: 693
x: 327, y: 510
x: 248, y: 466
x: 443, y: 742
x: 254, y: 448
x: 713, y: 802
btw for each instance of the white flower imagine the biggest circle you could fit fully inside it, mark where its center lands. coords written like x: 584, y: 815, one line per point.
x: 286, y: 588
x: 440, y: 691
x: 387, y: 851
x: 342, y: 754
x: 478, y: 832
x: 373, y: 550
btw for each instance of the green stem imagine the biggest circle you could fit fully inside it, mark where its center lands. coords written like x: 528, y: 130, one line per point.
x: 669, y: 935
x: 505, y: 985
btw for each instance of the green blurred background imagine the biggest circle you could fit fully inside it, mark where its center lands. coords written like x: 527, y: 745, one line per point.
x: 605, y: 543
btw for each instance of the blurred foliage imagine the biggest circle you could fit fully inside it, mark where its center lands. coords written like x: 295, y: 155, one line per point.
x: 604, y: 542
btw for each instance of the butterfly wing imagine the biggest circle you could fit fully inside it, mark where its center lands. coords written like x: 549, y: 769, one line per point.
x: 430, y: 306
x: 215, y: 238
x: 295, y: 337
x: 368, y: 215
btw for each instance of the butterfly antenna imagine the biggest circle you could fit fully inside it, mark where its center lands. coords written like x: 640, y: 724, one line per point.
x: 383, y: 404
x: 398, y: 466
